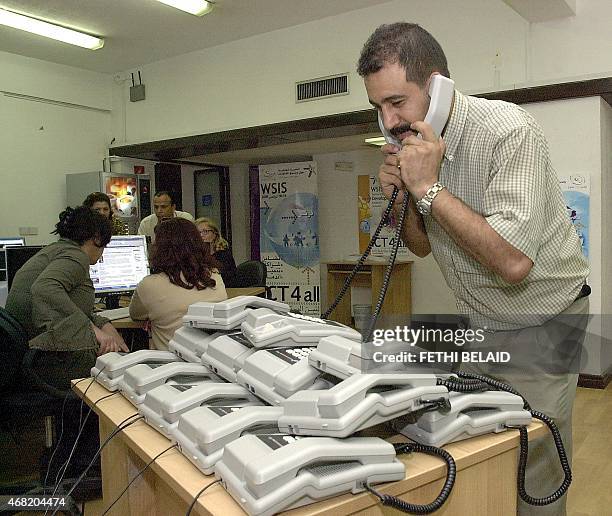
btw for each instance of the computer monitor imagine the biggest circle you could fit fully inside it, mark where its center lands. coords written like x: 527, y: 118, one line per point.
x: 123, y: 264
x: 16, y: 256
x: 6, y: 241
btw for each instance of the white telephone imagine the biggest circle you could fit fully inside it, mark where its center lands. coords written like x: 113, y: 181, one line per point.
x: 441, y: 90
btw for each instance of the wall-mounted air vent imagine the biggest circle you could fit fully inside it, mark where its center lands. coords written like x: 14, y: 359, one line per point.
x: 324, y: 87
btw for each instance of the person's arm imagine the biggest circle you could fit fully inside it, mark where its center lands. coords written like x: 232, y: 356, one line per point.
x: 413, y: 231
x: 109, y: 339
x: 228, y: 266
x: 109, y: 329
x: 420, y: 162
x: 98, y: 320
x: 138, y: 309
x: 472, y: 233
x: 64, y: 325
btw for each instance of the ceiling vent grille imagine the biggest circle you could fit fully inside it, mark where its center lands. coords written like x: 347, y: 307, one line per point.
x: 324, y: 87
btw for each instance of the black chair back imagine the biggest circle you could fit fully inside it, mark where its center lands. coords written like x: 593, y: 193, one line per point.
x: 251, y: 274
x: 13, y: 347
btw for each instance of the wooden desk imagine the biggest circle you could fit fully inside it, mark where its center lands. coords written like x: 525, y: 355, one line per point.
x: 485, y: 484
x: 398, y: 300
x: 127, y: 322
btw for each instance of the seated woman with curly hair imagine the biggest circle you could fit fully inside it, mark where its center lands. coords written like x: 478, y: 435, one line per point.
x: 184, y: 272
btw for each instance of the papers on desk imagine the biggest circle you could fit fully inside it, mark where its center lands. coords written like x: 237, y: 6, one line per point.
x: 115, y: 313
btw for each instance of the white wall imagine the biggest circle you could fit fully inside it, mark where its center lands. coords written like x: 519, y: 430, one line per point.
x: 572, y: 47
x: 28, y: 76
x: 251, y: 82
x: 41, y: 142
x: 606, y: 207
x: 606, y: 240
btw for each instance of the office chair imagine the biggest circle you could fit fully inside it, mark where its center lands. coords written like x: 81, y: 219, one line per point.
x: 251, y: 274
x: 24, y: 396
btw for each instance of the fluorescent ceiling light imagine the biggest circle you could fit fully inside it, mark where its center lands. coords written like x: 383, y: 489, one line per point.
x: 49, y: 30
x: 196, y: 7
x: 379, y: 141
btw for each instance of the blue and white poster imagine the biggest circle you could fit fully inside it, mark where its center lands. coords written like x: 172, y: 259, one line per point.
x: 289, y: 234
x: 576, y: 192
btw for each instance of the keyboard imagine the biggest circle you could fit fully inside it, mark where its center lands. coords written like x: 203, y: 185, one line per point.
x: 115, y: 313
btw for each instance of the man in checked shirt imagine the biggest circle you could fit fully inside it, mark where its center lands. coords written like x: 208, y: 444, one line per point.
x: 486, y: 202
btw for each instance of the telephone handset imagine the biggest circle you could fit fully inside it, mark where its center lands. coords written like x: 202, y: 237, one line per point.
x: 441, y: 90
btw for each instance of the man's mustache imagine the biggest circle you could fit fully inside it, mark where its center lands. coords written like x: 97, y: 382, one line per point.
x: 404, y: 128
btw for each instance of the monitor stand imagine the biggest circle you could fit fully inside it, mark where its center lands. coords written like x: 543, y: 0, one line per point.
x: 112, y: 301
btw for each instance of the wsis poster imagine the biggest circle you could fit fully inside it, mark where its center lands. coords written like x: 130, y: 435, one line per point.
x: 289, y: 234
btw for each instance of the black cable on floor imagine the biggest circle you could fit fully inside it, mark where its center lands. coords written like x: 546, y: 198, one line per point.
x: 59, y: 440
x: 121, y: 426
x: 61, y: 472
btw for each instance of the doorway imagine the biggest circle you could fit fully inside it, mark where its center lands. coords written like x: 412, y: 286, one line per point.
x: 212, y: 197
x: 168, y: 178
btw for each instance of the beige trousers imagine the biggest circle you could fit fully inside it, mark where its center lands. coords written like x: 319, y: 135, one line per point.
x: 547, y: 387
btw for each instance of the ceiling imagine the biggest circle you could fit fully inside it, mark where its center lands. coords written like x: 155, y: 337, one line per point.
x: 138, y: 32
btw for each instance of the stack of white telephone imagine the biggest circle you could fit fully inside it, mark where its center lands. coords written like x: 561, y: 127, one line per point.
x: 268, y: 401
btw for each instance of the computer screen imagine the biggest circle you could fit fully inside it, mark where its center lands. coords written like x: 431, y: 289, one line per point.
x: 123, y: 264
x: 16, y: 256
x: 4, y: 241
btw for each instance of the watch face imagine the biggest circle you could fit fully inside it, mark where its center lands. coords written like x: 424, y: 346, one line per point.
x: 422, y: 207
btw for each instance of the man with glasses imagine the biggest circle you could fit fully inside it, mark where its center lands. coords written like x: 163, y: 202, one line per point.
x: 164, y: 208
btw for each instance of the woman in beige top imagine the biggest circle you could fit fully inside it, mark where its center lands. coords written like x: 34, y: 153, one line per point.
x: 184, y: 273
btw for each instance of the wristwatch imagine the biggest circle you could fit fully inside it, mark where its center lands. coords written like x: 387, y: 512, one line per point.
x: 424, y: 205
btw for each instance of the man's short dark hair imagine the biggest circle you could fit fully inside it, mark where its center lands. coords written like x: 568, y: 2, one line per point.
x: 165, y: 192
x: 407, y: 44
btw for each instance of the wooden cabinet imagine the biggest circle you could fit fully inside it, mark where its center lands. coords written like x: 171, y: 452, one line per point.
x: 398, y: 300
